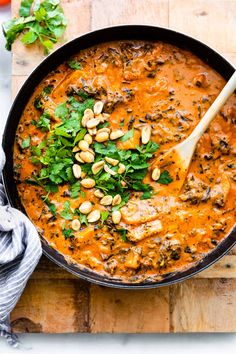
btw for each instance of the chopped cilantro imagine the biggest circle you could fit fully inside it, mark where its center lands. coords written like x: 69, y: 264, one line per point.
x: 104, y: 216
x: 128, y: 135
x: 66, y: 213
x: 51, y: 188
x: 44, y: 122
x: 80, y: 135
x: 68, y: 233
x: 83, y: 219
x: 55, y: 153
x: 74, y: 189
x: 51, y: 206
x: 61, y: 110
x: 38, y: 103
x: 37, y: 150
x: 165, y: 178
x: 25, y: 6
x: 74, y: 64
x: 146, y: 195
x: 48, y: 89
x: 25, y: 143
x: 136, y: 167
x: 123, y: 233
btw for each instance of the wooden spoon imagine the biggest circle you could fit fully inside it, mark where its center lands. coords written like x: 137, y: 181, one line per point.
x: 179, y: 157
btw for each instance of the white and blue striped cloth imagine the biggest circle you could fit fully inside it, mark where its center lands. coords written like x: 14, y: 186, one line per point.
x: 20, y: 251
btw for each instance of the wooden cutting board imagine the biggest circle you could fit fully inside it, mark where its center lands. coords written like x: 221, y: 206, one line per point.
x: 54, y: 301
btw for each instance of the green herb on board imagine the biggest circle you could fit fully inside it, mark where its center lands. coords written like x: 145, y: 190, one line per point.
x: 43, y: 21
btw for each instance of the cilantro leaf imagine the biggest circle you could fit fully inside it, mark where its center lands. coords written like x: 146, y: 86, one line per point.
x: 80, y: 135
x: 151, y: 147
x: 44, y: 122
x: 108, y: 150
x: 74, y: 189
x: 25, y: 143
x: 74, y: 64
x: 165, y: 178
x: 12, y: 28
x: 25, y: 6
x: 68, y: 233
x: 146, y: 195
x: 48, y: 89
x: 127, y: 136
x: 66, y: 213
x: 140, y: 186
x: 83, y: 219
x: 29, y: 37
x: 51, y: 206
x: 51, y: 188
x: 104, y: 216
x: 61, y: 110
x: 123, y: 233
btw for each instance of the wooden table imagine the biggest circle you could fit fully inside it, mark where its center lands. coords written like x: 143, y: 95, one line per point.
x: 54, y: 301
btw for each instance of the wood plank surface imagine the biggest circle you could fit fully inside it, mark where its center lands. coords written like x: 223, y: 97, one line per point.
x: 54, y: 300
x: 203, y: 305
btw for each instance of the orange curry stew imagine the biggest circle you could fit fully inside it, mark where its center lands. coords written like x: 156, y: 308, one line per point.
x: 83, y: 153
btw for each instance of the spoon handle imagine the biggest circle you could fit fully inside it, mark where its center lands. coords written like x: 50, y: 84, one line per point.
x: 214, y: 109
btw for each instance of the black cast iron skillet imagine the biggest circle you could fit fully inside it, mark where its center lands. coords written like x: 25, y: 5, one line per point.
x: 129, y: 32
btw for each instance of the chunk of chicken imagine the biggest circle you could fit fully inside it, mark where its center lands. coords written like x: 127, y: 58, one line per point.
x: 220, y: 191
x: 195, y: 190
x: 132, y: 260
x: 148, y: 229
x: 49, y: 106
x: 138, y: 212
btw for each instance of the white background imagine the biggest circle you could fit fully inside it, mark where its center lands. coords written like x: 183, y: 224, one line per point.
x: 85, y: 343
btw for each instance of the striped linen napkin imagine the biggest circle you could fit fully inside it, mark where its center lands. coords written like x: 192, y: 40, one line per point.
x: 20, y: 251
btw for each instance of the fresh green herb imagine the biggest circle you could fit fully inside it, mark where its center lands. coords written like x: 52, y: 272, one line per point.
x: 25, y: 7
x: 51, y: 188
x: 61, y: 111
x: 37, y: 150
x: 68, y: 233
x: 104, y: 216
x: 150, y: 148
x: 44, y: 122
x: 82, y: 194
x: 83, y: 219
x: 123, y: 233
x: 51, y: 206
x: 46, y: 24
x: 74, y: 189
x: 74, y: 64
x: 66, y: 213
x: 48, y: 89
x: 80, y: 135
x: 136, y: 168
x: 165, y: 178
x: 146, y: 195
x: 34, y: 160
x: 125, y: 198
x: 55, y: 154
x: 38, y: 103
x: 25, y: 143
x: 128, y: 135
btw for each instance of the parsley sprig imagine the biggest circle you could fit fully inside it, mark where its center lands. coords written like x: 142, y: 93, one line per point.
x: 47, y: 24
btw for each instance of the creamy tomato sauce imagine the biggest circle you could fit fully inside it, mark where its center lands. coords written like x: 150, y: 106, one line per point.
x: 140, y: 84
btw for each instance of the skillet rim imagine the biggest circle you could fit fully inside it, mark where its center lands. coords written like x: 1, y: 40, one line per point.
x: 141, y: 32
